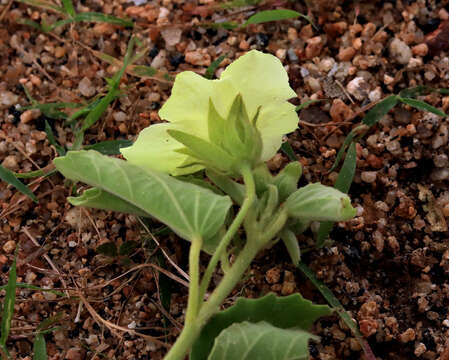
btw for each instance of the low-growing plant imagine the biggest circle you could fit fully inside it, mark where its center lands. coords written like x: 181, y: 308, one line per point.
x: 224, y: 130
x: 67, y: 11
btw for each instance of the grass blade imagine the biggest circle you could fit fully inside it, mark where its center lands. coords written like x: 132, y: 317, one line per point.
x: 9, y: 177
x: 307, y: 104
x: 109, y: 147
x: 287, y: 149
x: 213, y: 67
x: 33, y: 287
x: 99, y: 17
x: 68, y: 7
x: 43, y: 5
x: 349, y: 139
x: 274, y: 15
x: 100, y: 107
x: 39, y: 347
x: 338, y: 307
x: 421, y: 105
x: 51, y: 139
x: 343, y: 184
x: 8, y: 305
x: 380, y: 110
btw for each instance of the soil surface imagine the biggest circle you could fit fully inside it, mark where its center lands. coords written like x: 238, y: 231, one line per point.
x: 389, y: 266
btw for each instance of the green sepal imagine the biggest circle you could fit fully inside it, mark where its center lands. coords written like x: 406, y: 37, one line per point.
x: 317, y: 202
x: 203, y: 150
x: 287, y: 179
x: 262, y: 177
x: 270, y: 204
x: 291, y: 243
x: 235, y: 190
x: 216, y: 125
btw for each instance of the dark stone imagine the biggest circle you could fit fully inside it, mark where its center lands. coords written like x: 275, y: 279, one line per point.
x: 262, y: 40
x: 176, y: 59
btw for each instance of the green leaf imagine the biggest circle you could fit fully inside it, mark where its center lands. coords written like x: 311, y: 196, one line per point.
x: 291, y: 243
x: 32, y: 287
x: 9, y: 177
x: 349, y: 139
x: 190, y: 210
x: 380, y: 110
x: 8, y: 305
x: 100, y: 107
x: 343, y: 183
x: 210, y: 71
x: 68, y: 7
x: 99, y: 17
x: 291, y: 311
x: 227, y: 25
x: 235, y: 190
x: 287, y: 180
x: 415, y: 91
x: 51, y: 139
x: 128, y: 247
x: 107, y: 249
x: 109, y: 147
x: 44, y: 5
x: 203, y: 150
x: 421, y: 105
x: 288, y: 150
x: 317, y: 202
x: 99, y: 199
x: 273, y: 15
x: 144, y: 71
x: 248, y: 341
x: 307, y: 104
x: 39, y: 348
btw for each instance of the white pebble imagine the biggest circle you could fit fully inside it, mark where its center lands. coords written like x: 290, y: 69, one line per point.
x: 86, y: 88
x: 400, y: 51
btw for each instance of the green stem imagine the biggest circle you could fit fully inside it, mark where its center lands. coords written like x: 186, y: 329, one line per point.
x: 194, y: 271
x: 248, y: 179
x: 191, y: 331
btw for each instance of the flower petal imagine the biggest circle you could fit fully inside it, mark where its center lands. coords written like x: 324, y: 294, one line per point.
x: 275, y: 120
x: 262, y: 81
x: 156, y: 150
x: 260, y: 78
x: 189, y: 103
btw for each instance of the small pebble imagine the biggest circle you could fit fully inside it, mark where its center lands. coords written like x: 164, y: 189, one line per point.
x: 358, y: 88
x: 119, y: 116
x: 368, y: 176
x: 407, y: 336
x: 9, y: 246
x: 420, y: 349
x: 86, y: 88
x: 420, y: 50
x: 400, y: 51
x: 340, y: 111
x: 171, y: 35
x: 159, y: 61
x: 10, y: 162
x: 75, y: 354
x: 7, y: 98
x: 346, y: 54
x: 314, y: 47
x: 198, y: 58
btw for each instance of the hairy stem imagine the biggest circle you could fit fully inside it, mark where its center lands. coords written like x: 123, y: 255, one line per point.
x: 194, y: 271
x: 192, y: 330
x: 248, y: 179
